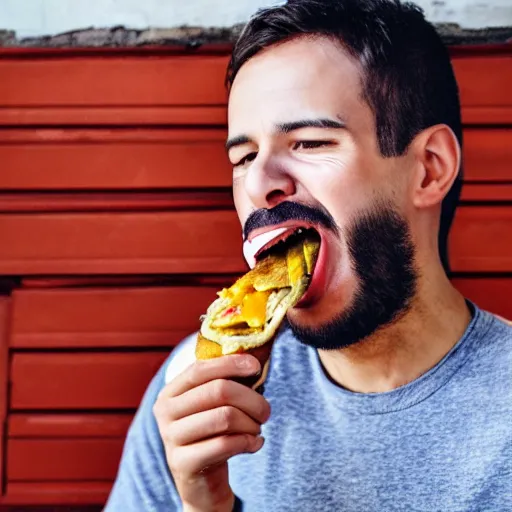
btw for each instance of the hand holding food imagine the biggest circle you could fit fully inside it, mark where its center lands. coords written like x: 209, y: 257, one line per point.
x: 204, y: 418
x: 246, y: 317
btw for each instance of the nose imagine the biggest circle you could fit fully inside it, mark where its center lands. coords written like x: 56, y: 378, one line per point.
x: 268, y: 183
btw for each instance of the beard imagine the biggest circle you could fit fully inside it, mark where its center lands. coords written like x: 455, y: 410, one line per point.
x: 381, y: 253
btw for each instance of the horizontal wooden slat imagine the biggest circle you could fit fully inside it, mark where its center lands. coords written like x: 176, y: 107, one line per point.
x: 480, y: 241
x: 109, y: 159
x: 68, y: 425
x: 54, y: 91
x: 486, y: 115
x: 81, y: 380
x: 488, y: 154
x: 166, y: 50
x: 217, y: 281
x: 53, y: 493
x: 490, y: 293
x: 107, y: 317
x: 195, y: 242
x: 113, y: 116
x: 37, y: 202
x: 93, y: 136
x: 149, y: 316
x: 63, y: 459
x: 167, y: 242
x: 141, y: 159
x: 487, y: 192
x: 5, y: 320
x: 484, y: 80
x: 186, y: 116
x: 114, y: 81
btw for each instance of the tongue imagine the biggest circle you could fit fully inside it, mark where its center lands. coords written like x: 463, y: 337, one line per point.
x: 308, y: 247
x: 251, y: 247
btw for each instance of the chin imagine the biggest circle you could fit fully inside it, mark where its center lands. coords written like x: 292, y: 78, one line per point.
x: 354, y: 311
x: 325, y: 310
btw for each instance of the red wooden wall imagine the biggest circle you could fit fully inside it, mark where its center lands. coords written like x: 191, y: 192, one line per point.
x: 117, y: 228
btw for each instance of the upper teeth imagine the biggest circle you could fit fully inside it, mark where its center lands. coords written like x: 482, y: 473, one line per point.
x: 251, y: 247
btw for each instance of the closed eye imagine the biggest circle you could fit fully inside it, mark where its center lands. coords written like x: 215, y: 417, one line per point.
x: 246, y: 159
x: 312, y: 144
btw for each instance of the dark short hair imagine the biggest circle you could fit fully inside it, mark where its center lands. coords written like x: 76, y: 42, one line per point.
x: 407, y: 78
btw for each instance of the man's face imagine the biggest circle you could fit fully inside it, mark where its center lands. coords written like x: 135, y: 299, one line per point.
x: 304, y: 137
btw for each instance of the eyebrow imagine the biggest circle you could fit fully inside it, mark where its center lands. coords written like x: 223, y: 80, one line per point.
x: 310, y: 123
x: 237, y: 141
x: 290, y: 127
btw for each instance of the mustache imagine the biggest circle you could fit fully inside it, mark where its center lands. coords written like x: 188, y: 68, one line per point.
x: 288, y: 210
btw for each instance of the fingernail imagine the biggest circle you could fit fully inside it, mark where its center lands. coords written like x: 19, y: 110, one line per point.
x: 257, y: 443
x: 246, y: 363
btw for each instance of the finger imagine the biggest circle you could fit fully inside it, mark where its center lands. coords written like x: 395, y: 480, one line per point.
x: 216, y: 394
x: 193, y: 458
x: 236, y: 365
x: 206, y: 424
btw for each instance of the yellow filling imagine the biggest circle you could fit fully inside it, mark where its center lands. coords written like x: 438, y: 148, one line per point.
x: 248, y: 297
x: 254, y: 308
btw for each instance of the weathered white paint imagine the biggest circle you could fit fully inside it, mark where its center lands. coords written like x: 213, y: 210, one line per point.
x: 49, y: 17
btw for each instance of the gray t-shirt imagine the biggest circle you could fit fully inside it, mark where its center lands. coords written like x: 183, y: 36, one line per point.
x: 441, y: 443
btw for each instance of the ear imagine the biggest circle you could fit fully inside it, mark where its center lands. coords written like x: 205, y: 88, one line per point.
x: 438, y: 154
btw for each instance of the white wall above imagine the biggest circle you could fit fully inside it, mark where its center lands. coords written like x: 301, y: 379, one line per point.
x: 30, y: 18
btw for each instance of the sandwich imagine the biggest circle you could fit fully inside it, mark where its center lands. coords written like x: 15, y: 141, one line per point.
x: 247, y: 316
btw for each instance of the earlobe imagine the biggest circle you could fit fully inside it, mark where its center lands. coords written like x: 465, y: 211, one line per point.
x: 437, y: 153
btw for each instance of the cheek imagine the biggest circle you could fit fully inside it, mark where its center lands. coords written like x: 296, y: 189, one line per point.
x: 241, y: 200
x: 340, y: 184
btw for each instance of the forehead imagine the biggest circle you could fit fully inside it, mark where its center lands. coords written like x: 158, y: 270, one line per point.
x: 303, y: 77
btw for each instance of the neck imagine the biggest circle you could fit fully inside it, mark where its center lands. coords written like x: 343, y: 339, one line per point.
x: 400, y: 353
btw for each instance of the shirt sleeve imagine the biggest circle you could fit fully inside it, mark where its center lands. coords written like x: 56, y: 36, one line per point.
x: 144, y: 482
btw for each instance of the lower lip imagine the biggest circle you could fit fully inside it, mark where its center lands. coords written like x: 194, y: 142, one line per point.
x: 318, y: 279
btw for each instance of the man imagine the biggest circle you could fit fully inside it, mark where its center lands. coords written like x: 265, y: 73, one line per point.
x: 389, y: 391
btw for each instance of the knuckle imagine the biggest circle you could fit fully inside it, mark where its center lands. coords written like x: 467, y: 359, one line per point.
x: 265, y: 410
x: 221, y: 391
x: 246, y: 442
x: 167, y: 429
x: 225, y: 418
x: 224, y: 444
x: 159, y: 412
x: 193, y: 374
x: 231, y: 445
x: 169, y: 434
x: 166, y: 392
x: 162, y: 409
x: 173, y: 461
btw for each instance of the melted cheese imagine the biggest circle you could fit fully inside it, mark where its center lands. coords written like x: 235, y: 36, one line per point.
x: 253, y: 298
x: 311, y: 249
x: 254, y: 308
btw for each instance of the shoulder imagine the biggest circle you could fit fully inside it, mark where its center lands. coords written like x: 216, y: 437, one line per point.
x: 499, y: 327
x: 494, y: 346
x: 504, y: 320
x: 493, y: 329
x: 143, y: 481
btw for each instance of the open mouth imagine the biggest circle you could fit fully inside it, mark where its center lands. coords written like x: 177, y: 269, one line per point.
x: 290, y: 238
x: 249, y: 313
